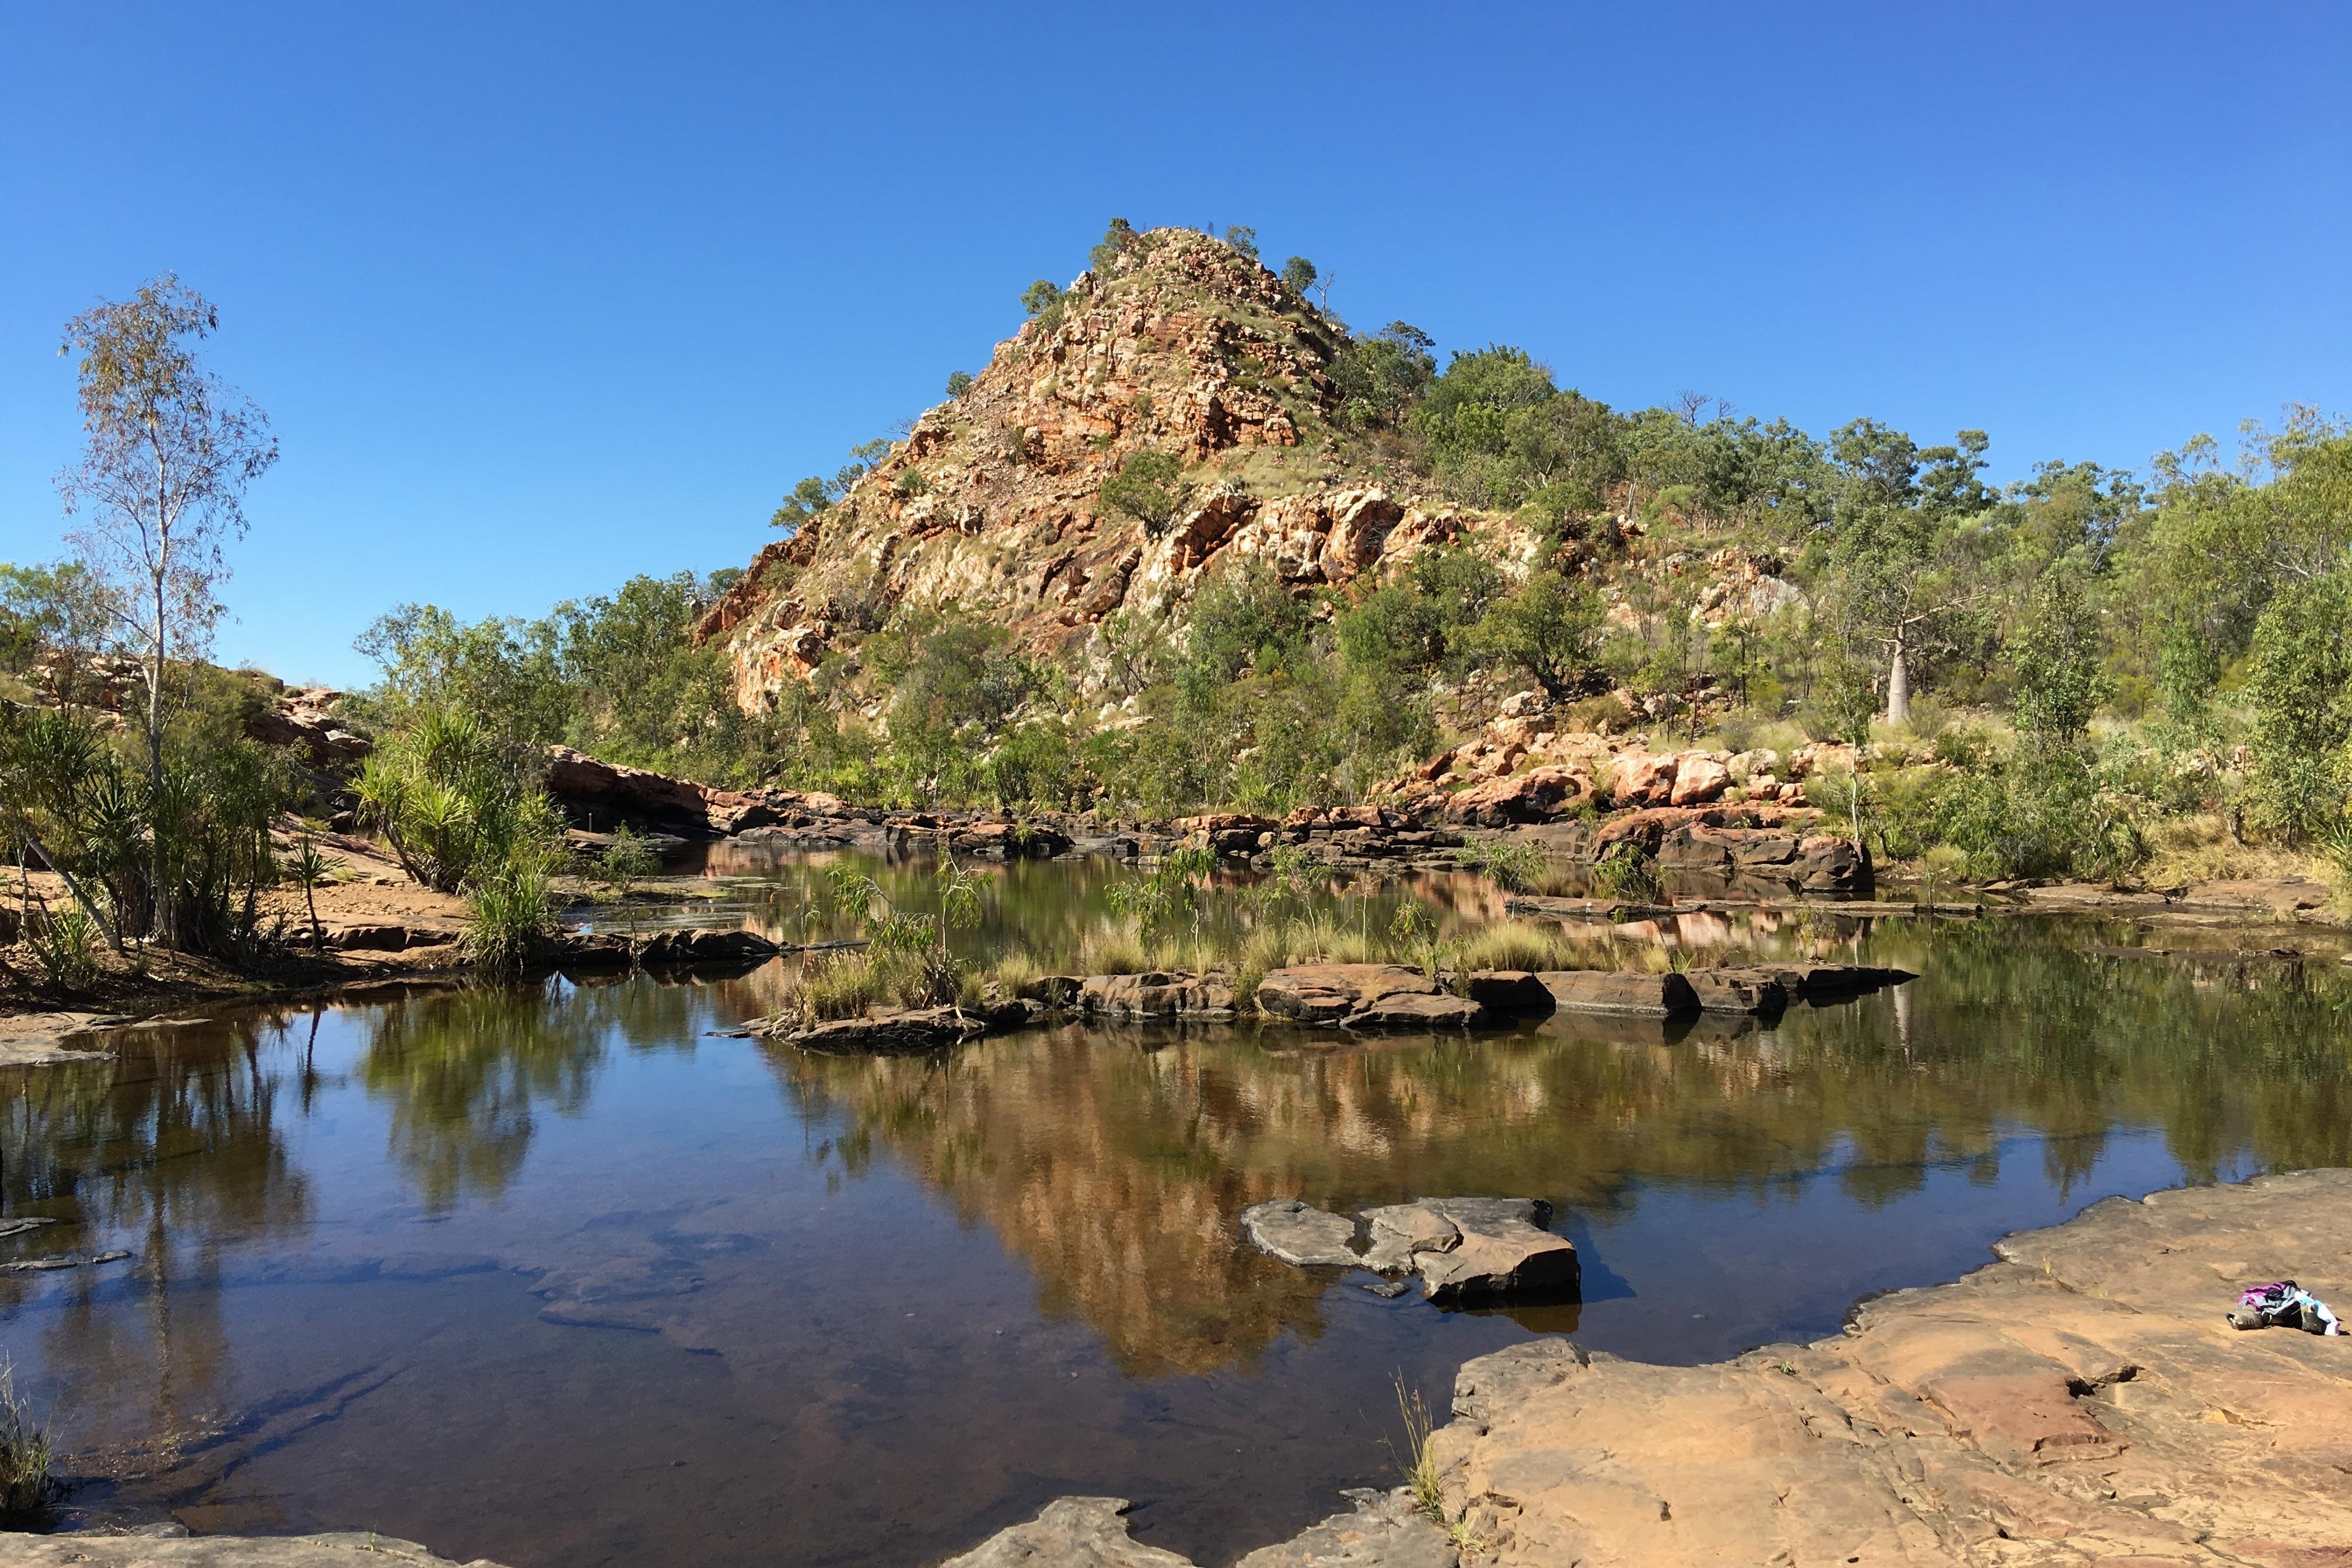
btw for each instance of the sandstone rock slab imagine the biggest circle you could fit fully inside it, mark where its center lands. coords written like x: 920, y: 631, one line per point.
x: 1332, y: 993
x: 1598, y: 991
x: 1510, y: 992
x: 1416, y: 1010
x: 1386, y: 1531
x: 1738, y: 990
x: 1300, y: 1235
x: 90, y: 1549
x: 1069, y: 1532
x: 2079, y: 1401
x: 1496, y: 1247
x: 1154, y: 993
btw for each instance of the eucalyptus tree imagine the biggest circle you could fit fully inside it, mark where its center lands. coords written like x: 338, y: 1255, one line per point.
x: 168, y: 450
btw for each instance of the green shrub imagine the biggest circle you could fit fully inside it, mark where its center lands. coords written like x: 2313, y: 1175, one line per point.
x: 2299, y: 678
x: 65, y: 945
x: 1148, y: 488
x: 1626, y: 870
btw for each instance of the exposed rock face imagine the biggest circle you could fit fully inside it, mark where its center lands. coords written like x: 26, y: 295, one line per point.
x: 1536, y: 795
x: 303, y: 720
x: 2079, y: 1401
x: 992, y: 503
x: 611, y: 793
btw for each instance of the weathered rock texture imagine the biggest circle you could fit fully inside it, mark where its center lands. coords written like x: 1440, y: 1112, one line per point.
x: 993, y: 504
x: 1385, y: 1530
x: 2081, y: 1401
x: 1364, y: 997
x: 1464, y: 1249
x: 351, y: 1550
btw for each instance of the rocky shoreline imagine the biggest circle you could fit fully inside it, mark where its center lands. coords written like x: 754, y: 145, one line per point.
x: 2081, y: 1400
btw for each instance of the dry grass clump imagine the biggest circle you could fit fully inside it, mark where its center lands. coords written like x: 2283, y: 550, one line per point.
x: 1112, y: 949
x: 833, y: 986
x: 1520, y: 944
x: 2185, y: 849
x: 1015, y: 972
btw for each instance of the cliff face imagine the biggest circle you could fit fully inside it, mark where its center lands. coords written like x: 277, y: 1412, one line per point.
x: 993, y: 504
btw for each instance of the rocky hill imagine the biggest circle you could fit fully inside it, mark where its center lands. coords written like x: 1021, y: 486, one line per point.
x: 993, y: 503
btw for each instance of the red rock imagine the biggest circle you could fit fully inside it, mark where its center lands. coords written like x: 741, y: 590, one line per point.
x: 1536, y: 795
x: 1637, y: 778
x: 1698, y: 779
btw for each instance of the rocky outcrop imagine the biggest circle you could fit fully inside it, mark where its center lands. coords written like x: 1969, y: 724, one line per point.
x: 991, y: 505
x: 304, y: 722
x: 1364, y: 996
x: 1508, y: 992
x: 2079, y: 1401
x: 604, y: 795
x: 1757, y: 990
x: 1538, y: 794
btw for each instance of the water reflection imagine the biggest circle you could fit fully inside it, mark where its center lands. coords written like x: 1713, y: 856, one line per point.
x: 1115, y: 1162
x: 955, y: 1285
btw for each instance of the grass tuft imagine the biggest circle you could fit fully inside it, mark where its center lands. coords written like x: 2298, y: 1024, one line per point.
x: 28, y: 1490
x: 1419, y: 1464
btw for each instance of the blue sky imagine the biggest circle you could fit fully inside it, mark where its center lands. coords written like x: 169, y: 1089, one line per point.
x: 539, y: 297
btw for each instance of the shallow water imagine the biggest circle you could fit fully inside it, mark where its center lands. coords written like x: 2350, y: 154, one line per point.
x: 549, y: 1275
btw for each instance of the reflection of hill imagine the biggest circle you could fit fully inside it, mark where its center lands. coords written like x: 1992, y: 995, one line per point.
x: 1116, y: 1171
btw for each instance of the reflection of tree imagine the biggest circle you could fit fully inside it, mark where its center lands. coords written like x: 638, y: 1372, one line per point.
x: 171, y: 1148
x: 1116, y: 1171
x: 467, y: 1073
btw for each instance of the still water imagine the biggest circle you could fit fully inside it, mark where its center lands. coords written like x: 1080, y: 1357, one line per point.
x: 552, y: 1274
